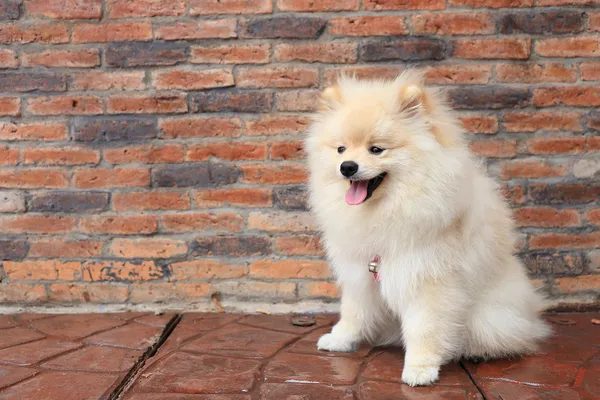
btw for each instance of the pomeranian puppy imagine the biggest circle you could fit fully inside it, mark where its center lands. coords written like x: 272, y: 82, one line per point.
x: 419, y: 238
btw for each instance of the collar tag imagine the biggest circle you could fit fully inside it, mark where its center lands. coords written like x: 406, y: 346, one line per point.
x: 374, y: 267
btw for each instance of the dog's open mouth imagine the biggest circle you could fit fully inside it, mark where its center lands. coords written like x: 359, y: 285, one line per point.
x: 360, y: 191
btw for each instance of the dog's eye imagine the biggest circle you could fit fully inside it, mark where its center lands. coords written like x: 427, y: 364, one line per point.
x: 375, y: 150
x: 341, y: 149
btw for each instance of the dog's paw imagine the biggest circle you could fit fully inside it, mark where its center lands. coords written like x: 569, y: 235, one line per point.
x: 330, y: 342
x: 420, y: 375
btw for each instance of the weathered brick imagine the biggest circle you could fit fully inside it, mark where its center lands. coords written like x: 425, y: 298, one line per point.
x: 531, y: 169
x: 9, y: 156
x: 150, y: 201
x: 546, y: 217
x: 207, y: 7
x: 490, y: 97
x: 318, y: 289
x: 586, y: 168
x: 112, y: 32
x: 30, y: 81
x: 8, y: 59
x: 297, y: 100
x: 273, y: 174
x: 147, y: 292
x: 191, y: 30
x: 331, y: 53
x: 577, y: 46
x: 282, y: 222
x: 593, y: 20
x: 145, y: 154
x: 231, y: 100
x: 380, y: 5
x: 593, y: 216
x: 453, y: 24
x: 43, y: 270
x: 505, y: 48
x: 68, y: 202
x: 172, y: 103
x: 100, y: 130
x: 232, y: 246
x: 64, y: 248
x: 253, y: 53
x: 555, y: 263
x: 145, y: 54
x: 144, y: 8
x: 62, y: 58
x: 515, y: 194
x: 556, y: 145
x: 486, y: 124
x: 23, y: 293
x: 10, y: 10
x: 147, y: 248
x: 33, y: 178
x: 227, y: 151
x: 559, y: 193
x: 538, y: 23
x: 277, y: 77
x: 275, y: 269
x: 317, y: 5
x: 565, y: 240
x: 291, y: 198
x: 249, y: 289
x: 536, y: 73
x: 412, y: 49
x: 200, y: 127
x: 299, y: 245
x: 59, y: 156
x: 11, y: 202
x: 577, y: 284
x: 205, y: 269
x: 186, y: 79
x: 494, y: 148
x: 542, y: 120
x: 65, y: 105
x: 202, y: 175
x: 87, y: 293
x: 246, y: 197
x: 576, y: 96
x: 10, y: 106
x: 594, y: 121
x: 491, y: 3
x: 286, y: 151
x: 65, y: 9
x: 458, y: 74
x: 201, y: 222
x: 274, y: 125
x: 283, y: 27
x: 31, y: 224
x: 100, y: 80
x: 590, y: 71
x: 13, y: 249
x: 119, y: 224
x: 38, y: 32
x: 368, y: 26
x: 86, y: 178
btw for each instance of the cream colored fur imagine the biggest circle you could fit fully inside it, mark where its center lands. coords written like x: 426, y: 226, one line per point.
x: 450, y: 285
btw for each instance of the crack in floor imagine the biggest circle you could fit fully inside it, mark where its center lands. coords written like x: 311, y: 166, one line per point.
x: 464, y: 368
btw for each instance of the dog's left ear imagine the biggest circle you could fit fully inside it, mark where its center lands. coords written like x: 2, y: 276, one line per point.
x: 330, y: 98
x: 412, y: 97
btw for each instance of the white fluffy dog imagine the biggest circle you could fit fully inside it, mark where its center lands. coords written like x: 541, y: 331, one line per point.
x: 396, y: 191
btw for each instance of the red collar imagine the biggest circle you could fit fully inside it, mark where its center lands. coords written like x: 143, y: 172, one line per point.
x: 374, y: 267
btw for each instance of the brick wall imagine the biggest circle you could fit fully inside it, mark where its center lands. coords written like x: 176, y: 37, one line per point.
x: 150, y: 150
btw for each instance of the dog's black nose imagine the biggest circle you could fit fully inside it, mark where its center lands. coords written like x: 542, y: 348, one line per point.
x: 348, y: 168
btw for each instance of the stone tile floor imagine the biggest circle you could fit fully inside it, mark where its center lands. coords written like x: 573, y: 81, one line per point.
x: 138, y: 356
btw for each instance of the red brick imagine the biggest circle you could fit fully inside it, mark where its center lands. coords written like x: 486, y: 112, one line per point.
x: 379, y: 5
x: 209, y: 29
x: 453, y: 24
x: 368, y: 26
x: 8, y: 59
x: 147, y: 248
x: 546, y: 217
x: 206, y: 7
x: 277, y: 77
x: 88, y: 293
x: 201, y: 222
x: 458, y: 74
x: 39, y: 32
x: 150, y: 201
x: 317, y: 5
x: 65, y: 105
x: 272, y: 269
x: 185, y: 79
x: 121, y: 271
x: 273, y: 174
x: 532, y: 169
x: 9, y: 106
x: 43, y: 270
x: 487, y: 124
x: 30, y: 224
x: 62, y: 58
x: 119, y: 224
x: 578, y: 284
x: 246, y: 197
x: 205, y: 269
x: 297, y: 100
x: 514, y: 194
x: 536, y: 73
x: 227, y: 151
x: 505, y: 48
x: 111, y: 177
x: 331, y: 53
x: 144, y: 8
x: 565, y: 240
x: 494, y: 148
x: 201, y: 127
x: 319, y: 289
x: 100, y: 80
x: 579, y: 46
x: 112, y: 32
x: 145, y: 154
x: 253, y: 53
x: 330, y: 75
x: 286, y: 151
x: 65, y: 9
x: 147, y: 104
x: 9, y: 156
x: 64, y: 248
x: 577, y: 96
x: 60, y: 156
x: 542, y: 120
x: 594, y: 20
x: 299, y: 245
x: 164, y: 292
x: 593, y: 216
x: 23, y: 293
x: 33, y: 178
x: 274, y: 125
x: 590, y: 71
x: 556, y: 145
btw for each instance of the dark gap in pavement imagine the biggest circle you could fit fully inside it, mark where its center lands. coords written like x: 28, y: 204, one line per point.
x: 464, y: 367
x: 149, y: 353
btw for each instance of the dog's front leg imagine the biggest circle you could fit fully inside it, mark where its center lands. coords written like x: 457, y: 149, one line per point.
x: 346, y: 335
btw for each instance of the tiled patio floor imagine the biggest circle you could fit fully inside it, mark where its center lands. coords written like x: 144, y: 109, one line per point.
x: 244, y: 357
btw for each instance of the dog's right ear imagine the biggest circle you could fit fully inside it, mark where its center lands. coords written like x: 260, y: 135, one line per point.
x: 331, y: 97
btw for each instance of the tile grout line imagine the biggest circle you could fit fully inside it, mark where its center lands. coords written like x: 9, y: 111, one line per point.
x: 149, y: 353
x: 462, y: 365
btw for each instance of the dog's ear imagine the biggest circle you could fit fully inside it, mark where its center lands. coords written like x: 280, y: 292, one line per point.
x: 330, y: 97
x: 412, y: 97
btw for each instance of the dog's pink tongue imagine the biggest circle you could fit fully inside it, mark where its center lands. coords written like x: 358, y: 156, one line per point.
x: 357, y: 192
